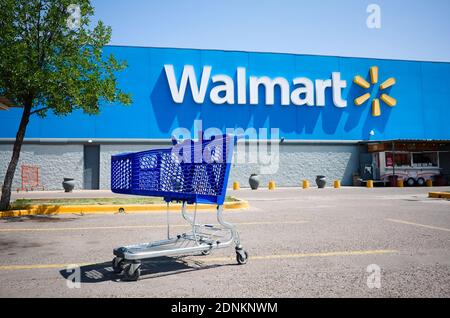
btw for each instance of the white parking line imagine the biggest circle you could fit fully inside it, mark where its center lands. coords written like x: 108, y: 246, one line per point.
x: 420, y: 225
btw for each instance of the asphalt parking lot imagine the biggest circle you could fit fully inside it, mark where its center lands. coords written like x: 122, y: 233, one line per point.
x: 302, y: 243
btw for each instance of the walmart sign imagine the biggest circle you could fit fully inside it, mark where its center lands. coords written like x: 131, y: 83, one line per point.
x: 306, y: 92
x: 306, y: 97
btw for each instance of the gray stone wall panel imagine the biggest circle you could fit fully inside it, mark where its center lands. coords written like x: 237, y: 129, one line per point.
x: 297, y: 162
x: 55, y: 163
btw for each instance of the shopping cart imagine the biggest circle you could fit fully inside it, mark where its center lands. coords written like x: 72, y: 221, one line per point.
x: 190, y: 172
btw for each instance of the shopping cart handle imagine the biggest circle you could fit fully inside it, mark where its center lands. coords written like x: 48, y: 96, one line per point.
x: 237, y: 137
x: 175, y: 141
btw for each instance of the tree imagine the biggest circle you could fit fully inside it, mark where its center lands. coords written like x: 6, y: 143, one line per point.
x: 51, y: 59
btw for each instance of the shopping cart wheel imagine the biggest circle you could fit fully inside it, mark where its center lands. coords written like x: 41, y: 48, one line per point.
x: 117, y: 265
x: 206, y: 252
x: 132, y: 272
x: 241, y: 257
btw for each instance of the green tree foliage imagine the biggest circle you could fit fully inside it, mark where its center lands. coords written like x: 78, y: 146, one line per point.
x: 51, y: 59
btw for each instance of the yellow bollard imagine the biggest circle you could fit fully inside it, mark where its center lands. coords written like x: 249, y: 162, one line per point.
x: 400, y: 183
x: 337, y: 184
x: 370, y: 183
x: 236, y: 186
x: 429, y: 183
x: 271, y: 185
x: 305, y: 184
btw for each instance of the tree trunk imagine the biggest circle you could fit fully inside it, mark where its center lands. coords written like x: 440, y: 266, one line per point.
x: 9, y: 176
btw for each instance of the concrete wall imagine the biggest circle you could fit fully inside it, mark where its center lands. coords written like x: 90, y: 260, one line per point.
x: 55, y: 162
x: 299, y: 162
x: 296, y: 163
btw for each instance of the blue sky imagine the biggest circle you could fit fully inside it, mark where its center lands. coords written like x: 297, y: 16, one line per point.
x: 410, y: 29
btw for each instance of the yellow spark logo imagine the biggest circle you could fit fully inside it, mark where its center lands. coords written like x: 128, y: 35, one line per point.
x: 388, y: 100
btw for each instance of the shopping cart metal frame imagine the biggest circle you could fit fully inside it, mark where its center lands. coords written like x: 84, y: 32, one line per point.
x: 201, y: 179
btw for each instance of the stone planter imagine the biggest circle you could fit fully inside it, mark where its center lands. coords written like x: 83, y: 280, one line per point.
x: 321, y: 181
x: 68, y: 184
x: 254, y: 181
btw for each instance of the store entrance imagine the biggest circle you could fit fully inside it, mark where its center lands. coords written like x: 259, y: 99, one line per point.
x: 91, y: 172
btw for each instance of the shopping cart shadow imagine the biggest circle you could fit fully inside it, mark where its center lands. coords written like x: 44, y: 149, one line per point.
x: 156, y: 267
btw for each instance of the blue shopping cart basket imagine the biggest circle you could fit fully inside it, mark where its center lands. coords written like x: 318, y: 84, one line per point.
x: 190, y: 172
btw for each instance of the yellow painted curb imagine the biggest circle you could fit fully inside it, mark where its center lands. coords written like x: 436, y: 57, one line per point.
x: 439, y: 195
x: 114, y: 208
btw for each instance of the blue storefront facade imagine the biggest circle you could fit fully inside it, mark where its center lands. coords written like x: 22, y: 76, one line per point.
x: 313, y: 101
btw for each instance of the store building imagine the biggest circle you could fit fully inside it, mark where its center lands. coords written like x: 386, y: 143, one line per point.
x: 327, y: 111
